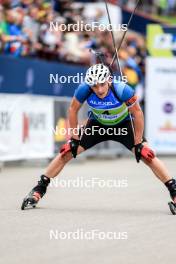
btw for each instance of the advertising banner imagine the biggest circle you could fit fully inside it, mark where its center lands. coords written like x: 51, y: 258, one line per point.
x: 23, y: 75
x: 37, y: 127
x: 10, y: 127
x: 26, y: 127
x: 161, y: 41
x: 161, y: 104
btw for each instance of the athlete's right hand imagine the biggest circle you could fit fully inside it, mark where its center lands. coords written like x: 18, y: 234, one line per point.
x: 74, y: 144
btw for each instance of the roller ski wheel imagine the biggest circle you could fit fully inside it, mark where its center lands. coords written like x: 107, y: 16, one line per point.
x: 172, y: 207
x: 30, y: 201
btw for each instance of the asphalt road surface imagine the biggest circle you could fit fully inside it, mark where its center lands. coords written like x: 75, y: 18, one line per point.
x: 133, y: 209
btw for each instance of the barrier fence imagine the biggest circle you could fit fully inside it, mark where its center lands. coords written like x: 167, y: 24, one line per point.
x: 32, y: 127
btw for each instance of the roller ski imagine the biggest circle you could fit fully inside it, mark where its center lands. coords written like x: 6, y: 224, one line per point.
x: 171, y: 185
x: 172, y: 207
x: 32, y: 199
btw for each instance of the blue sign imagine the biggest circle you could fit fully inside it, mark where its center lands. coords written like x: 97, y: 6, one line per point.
x: 34, y: 76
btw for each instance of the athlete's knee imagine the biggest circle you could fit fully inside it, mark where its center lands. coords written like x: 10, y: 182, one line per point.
x: 65, y: 158
x: 149, y: 163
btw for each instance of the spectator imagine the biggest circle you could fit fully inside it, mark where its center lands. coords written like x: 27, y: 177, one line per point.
x: 161, y: 7
x: 31, y: 23
x: 24, y: 31
x: 18, y: 40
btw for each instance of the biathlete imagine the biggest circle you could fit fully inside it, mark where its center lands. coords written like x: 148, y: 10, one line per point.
x: 113, y: 105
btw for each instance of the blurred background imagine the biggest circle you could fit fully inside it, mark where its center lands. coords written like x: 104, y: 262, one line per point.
x: 32, y: 107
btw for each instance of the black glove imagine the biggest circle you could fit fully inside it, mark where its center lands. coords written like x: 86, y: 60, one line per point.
x: 74, y: 144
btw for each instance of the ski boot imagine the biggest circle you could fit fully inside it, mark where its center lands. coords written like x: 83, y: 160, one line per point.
x: 36, y: 194
x: 171, y: 185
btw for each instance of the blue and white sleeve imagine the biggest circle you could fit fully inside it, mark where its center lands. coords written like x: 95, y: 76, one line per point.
x: 82, y: 92
x: 124, y: 91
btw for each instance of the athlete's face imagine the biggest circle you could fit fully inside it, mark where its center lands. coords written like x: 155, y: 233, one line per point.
x: 101, y: 89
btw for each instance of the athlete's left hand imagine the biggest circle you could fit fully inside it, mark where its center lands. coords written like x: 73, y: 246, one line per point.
x: 142, y: 151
